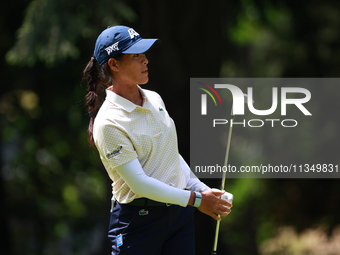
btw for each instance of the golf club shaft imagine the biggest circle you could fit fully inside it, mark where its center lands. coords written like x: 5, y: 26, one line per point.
x: 227, y: 155
x: 223, y: 182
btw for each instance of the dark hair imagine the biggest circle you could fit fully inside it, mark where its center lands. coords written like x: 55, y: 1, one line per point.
x: 97, y: 78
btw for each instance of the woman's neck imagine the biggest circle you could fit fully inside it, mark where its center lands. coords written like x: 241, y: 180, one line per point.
x: 129, y: 92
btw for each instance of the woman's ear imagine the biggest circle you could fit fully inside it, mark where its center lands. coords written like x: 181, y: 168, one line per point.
x: 113, y: 64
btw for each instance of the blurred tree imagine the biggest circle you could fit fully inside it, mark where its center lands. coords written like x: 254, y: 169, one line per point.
x: 286, y: 39
x: 51, y: 29
x: 55, y: 189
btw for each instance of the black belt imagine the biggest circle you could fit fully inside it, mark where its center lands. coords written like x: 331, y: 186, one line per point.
x: 147, y: 202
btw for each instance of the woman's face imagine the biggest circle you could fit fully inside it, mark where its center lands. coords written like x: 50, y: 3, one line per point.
x: 131, y: 69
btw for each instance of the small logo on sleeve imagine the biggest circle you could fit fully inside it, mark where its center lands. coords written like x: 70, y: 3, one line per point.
x: 114, y: 153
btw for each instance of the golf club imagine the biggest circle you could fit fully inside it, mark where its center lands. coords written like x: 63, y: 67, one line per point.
x: 226, y: 196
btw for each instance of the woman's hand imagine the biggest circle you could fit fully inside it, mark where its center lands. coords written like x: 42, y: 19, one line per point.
x: 214, y: 206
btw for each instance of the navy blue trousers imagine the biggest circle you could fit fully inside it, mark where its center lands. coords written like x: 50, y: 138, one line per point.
x: 158, y: 230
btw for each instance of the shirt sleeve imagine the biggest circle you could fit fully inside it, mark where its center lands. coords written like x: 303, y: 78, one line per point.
x: 114, y: 145
x: 145, y: 186
x: 193, y: 183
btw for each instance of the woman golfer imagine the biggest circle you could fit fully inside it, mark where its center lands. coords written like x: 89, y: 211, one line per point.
x: 154, y: 193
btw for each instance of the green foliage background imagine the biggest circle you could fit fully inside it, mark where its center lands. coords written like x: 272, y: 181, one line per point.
x: 54, y: 191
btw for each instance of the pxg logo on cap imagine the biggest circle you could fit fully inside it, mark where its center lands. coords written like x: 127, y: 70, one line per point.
x: 120, y: 39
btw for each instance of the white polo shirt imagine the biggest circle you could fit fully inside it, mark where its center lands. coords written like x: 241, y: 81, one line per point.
x: 124, y: 131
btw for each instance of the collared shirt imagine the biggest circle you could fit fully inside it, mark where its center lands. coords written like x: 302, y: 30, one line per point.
x: 124, y: 131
